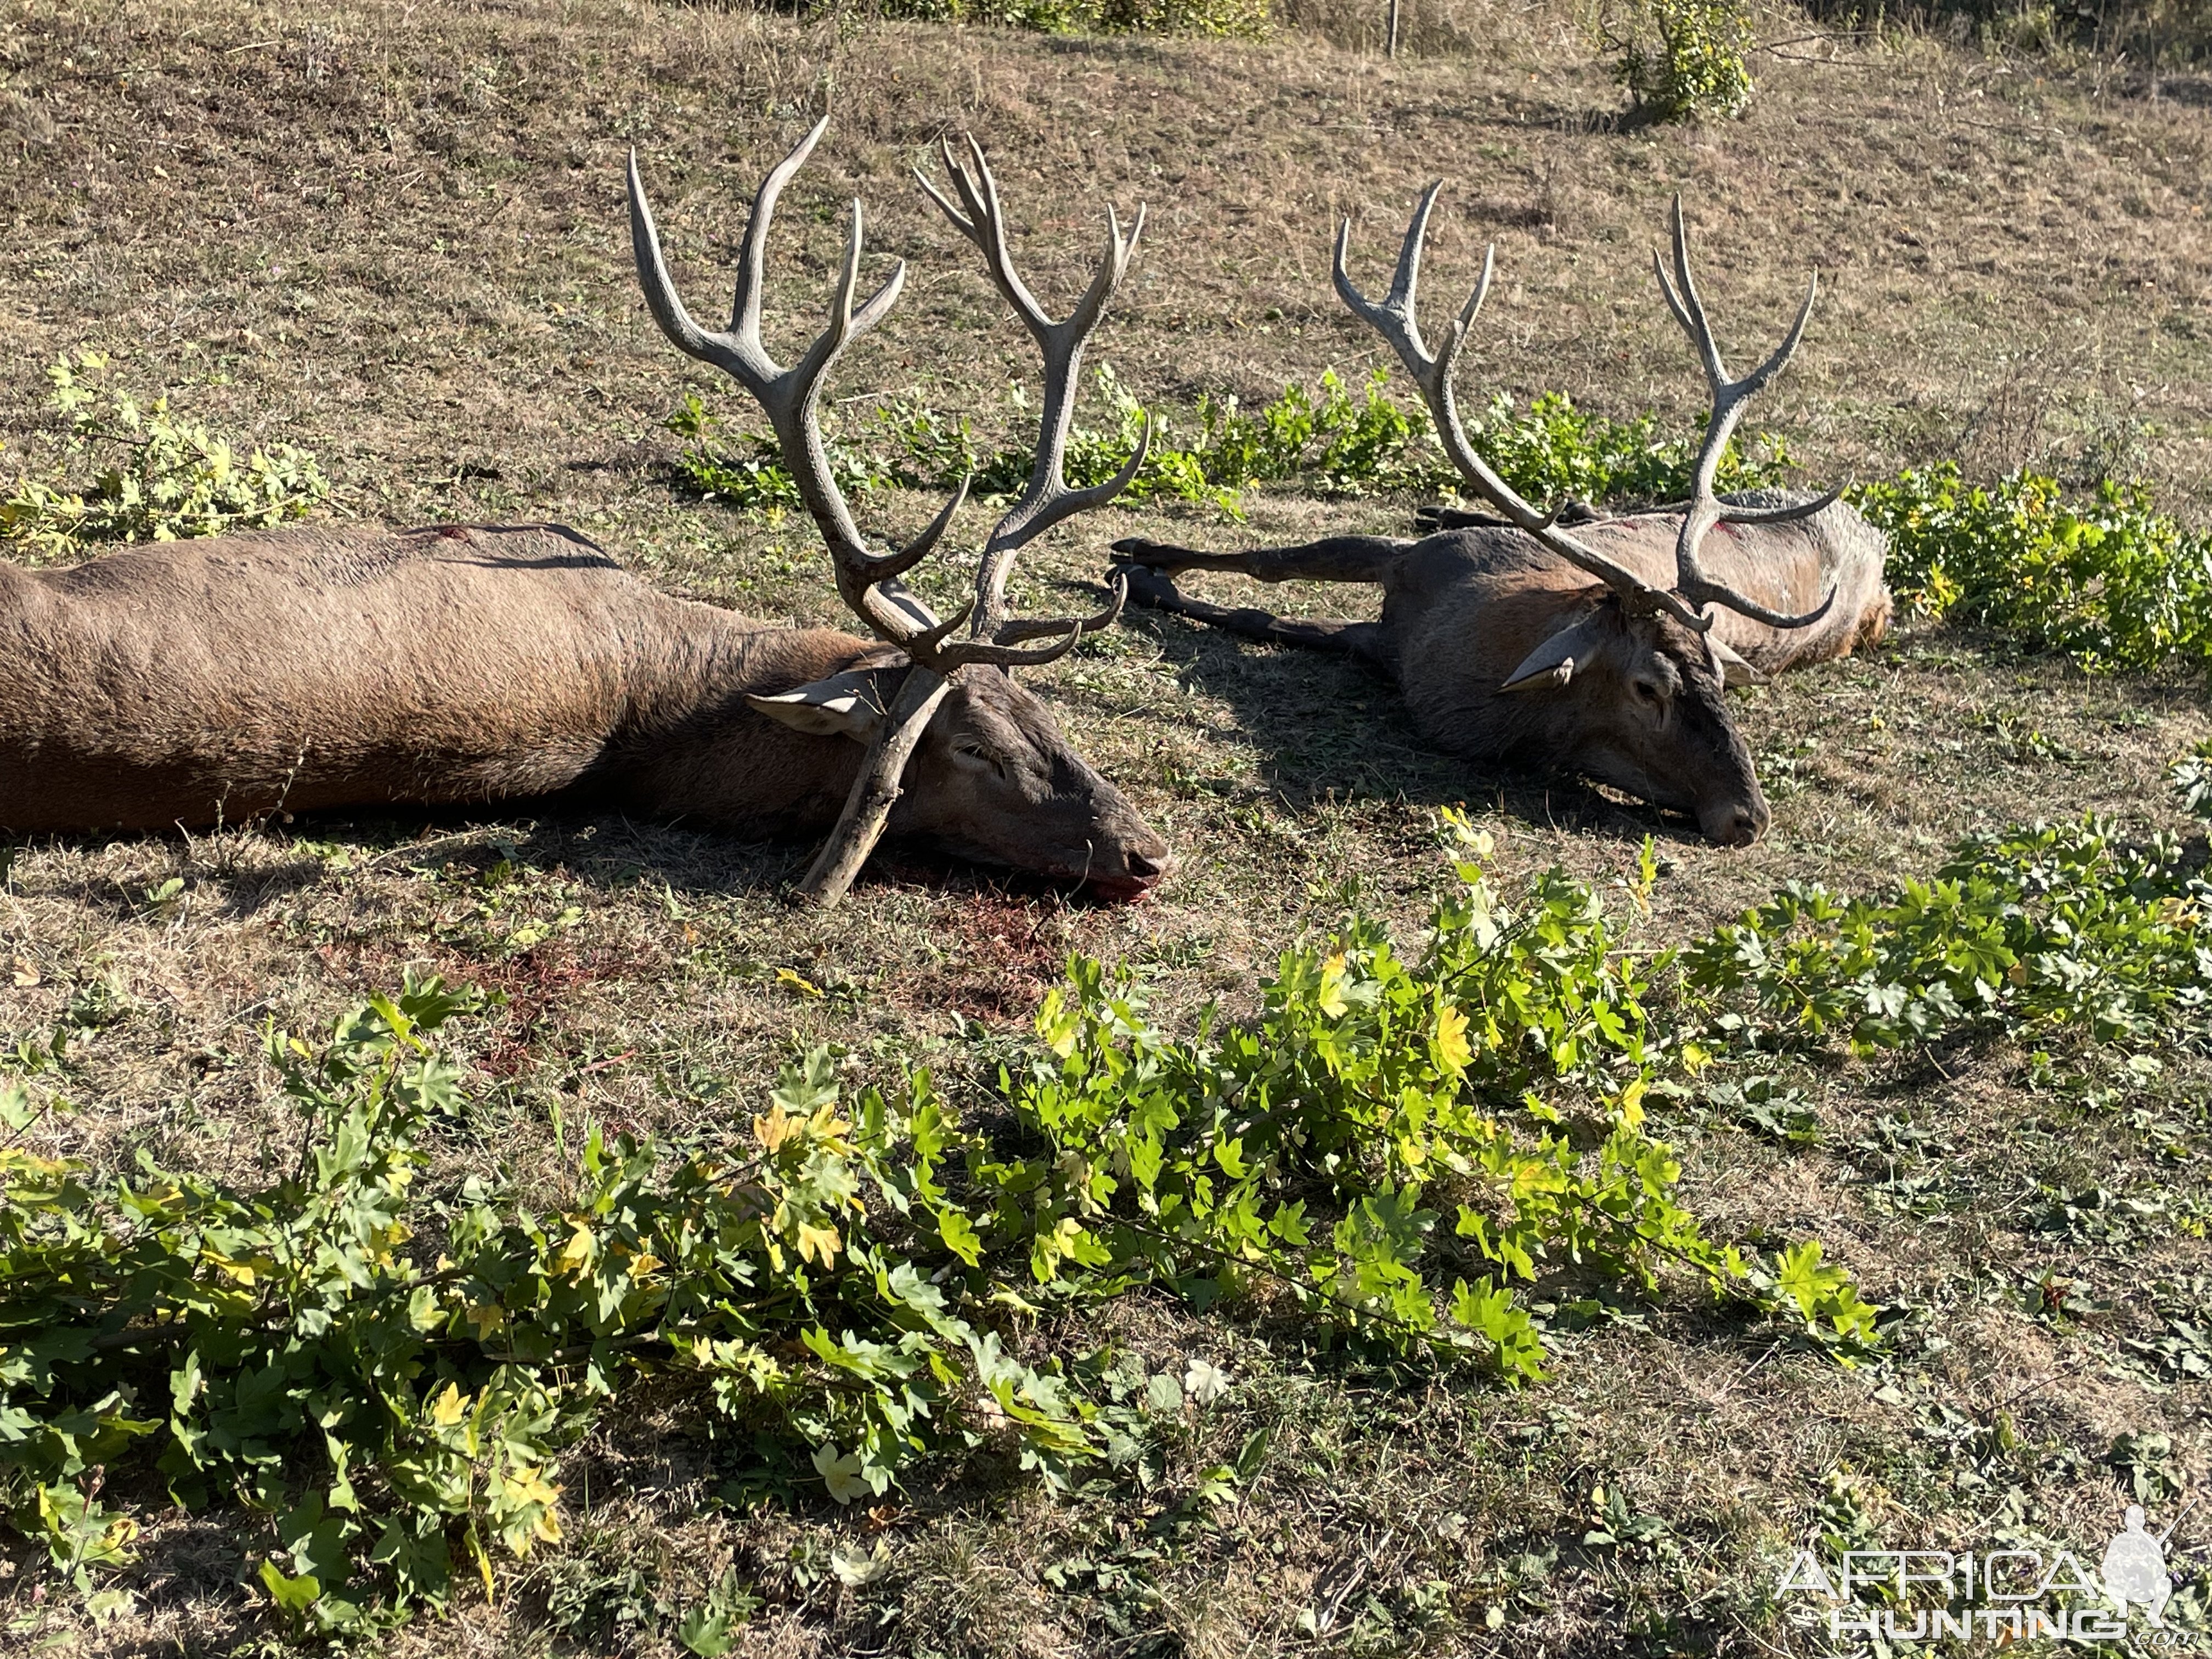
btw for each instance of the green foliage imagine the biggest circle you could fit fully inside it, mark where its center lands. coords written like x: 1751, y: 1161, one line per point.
x: 1683, y: 60
x: 2192, y: 776
x: 130, y: 473
x: 2029, y: 932
x: 1243, y: 20
x: 1495, y: 1079
x: 746, y: 469
x: 384, y: 1376
x: 393, y: 1411
x: 1329, y: 440
x: 2112, y: 582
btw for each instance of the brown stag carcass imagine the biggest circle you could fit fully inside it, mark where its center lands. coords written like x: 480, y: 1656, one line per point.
x: 194, y: 683
x: 1506, y: 651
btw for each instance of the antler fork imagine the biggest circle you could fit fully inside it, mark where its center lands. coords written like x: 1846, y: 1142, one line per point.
x: 1395, y: 319
x: 790, y: 398
x: 1046, y: 501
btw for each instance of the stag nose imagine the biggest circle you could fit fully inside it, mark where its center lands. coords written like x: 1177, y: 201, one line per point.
x: 1737, y: 824
x: 1144, y: 868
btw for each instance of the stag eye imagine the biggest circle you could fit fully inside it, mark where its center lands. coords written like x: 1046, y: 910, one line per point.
x: 968, y: 751
x: 1649, y: 691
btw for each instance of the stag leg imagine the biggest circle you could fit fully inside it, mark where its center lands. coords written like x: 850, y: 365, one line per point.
x: 1155, y: 592
x: 1332, y: 559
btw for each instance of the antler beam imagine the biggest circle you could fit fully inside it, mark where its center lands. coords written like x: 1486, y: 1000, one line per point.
x: 1047, y: 500
x: 1705, y: 508
x: 789, y: 396
x: 1396, y: 318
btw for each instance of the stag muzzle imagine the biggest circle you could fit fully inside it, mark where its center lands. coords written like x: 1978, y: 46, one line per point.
x: 1735, y: 822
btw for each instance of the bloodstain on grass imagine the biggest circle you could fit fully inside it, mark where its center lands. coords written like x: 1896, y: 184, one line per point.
x: 533, y: 985
x: 1005, y: 939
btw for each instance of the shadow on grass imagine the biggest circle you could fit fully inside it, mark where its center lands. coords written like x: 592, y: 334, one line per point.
x: 1329, y: 729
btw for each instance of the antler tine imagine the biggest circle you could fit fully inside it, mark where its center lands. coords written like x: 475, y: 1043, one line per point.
x: 1047, y: 500
x: 788, y: 396
x: 1396, y: 318
x: 1730, y: 398
x: 752, y: 253
x: 1003, y: 653
x: 728, y: 352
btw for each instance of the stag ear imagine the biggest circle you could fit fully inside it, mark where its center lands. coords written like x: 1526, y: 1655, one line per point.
x: 844, y: 705
x: 1734, y: 670
x: 1553, y: 664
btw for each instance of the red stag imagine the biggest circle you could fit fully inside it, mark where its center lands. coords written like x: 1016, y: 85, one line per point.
x: 186, y: 684
x: 1507, y: 653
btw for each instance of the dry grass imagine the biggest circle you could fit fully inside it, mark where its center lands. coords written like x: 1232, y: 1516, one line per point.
x: 392, y: 233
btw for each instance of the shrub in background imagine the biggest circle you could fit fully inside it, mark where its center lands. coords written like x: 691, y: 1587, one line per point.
x: 1683, y: 60
x: 130, y: 473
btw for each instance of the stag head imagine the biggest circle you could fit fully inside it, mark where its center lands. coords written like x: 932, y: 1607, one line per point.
x: 1637, y: 677
x: 993, y: 779
x: 954, y: 750
x: 1644, y: 711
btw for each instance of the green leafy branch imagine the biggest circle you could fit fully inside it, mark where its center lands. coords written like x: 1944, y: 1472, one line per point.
x: 134, y: 473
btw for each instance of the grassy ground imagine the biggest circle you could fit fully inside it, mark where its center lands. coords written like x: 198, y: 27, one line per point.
x: 392, y: 235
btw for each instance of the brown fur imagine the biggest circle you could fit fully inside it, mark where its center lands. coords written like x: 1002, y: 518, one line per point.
x: 1462, y: 609
x: 192, y: 683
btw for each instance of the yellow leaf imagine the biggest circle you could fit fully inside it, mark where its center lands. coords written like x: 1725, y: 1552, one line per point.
x: 576, y: 1254
x: 774, y: 1127
x: 528, y: 1485
x: 449, y: 1406
x: 639, y: 1266
x: 784, y: 976
x: 818, y: 1241
x: 487, y: 1317
x: 1452, y: 1046
x: 1332, y: 986
x: 1632, y: 1104
x: 484, y: 1561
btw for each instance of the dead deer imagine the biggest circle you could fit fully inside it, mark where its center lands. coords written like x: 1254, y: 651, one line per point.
x: 1509, y: 655
x: 190, y: 682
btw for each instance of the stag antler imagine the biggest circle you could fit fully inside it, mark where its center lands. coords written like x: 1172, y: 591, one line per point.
x: 867, y: 581
x: 1729, y: 398
x: 1394, y: 318
x: 1047, y: 500
x: 788, y: 396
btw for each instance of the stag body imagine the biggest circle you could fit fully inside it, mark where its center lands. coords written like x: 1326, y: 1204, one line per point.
x: 198, y: 682
x: 464, y: 663
x: 1463, y: 610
